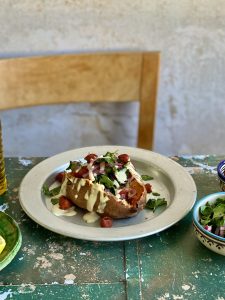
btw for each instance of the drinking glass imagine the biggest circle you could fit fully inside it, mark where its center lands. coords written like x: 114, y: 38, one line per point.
x: 3, y: 181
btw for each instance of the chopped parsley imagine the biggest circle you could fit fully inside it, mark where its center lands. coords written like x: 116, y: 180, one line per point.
x: 146, y: 177
x: 155, y: 194
x: 73, y: 165
x: 50, y: 193
x: 106, y: 181
x: 55, y: 201
x: 152, y: 204
x: 213, y: 214
x: 110, y: 158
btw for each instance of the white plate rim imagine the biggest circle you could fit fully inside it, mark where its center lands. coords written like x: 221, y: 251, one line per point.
x: 31, y: 185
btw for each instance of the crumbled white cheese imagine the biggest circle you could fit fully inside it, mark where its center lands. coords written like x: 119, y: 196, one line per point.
x: 121, y: 176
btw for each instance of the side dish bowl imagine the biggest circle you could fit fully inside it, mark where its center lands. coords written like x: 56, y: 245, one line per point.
x: 221, y: 174
x: 10, y: 231
x: 212, y: 241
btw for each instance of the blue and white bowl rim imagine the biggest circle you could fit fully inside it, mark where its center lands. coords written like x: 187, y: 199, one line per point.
x: 221, y: 169
x: 196, y: 214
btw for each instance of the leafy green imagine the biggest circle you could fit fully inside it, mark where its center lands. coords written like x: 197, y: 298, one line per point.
x: 155, y: 194
x: 109, y: 157
x: 213, y: 213
x: 113, y: 155
x: 146, y: 177
x: 106, y: 181
x: 205, y: 221
x: 55, y: 201
x: 152, y: 204
x: 110, y: 170
x: 50, y: 193
x: 220, y: 200
x: 206, y: 210
x: 73, y: 165
x: 113, y: 190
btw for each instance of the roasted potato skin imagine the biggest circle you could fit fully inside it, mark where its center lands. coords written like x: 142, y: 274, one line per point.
x: 113, y: 208
x: 117, y: 210
x: 74, y: 196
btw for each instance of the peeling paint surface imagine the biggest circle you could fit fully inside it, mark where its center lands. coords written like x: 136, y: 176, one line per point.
x: 25, y: 162
x: 169, y: 265
x: 4, y: 207
x: 5, y: 295
x: 69, y: 279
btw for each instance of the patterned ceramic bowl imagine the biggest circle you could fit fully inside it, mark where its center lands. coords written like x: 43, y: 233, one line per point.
x: 221, y: 174
x: 210, y: 240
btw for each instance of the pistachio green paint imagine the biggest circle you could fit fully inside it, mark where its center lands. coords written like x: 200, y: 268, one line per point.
x: 170, y: 265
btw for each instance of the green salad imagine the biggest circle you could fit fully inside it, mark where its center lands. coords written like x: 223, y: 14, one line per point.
x: 212, y: 216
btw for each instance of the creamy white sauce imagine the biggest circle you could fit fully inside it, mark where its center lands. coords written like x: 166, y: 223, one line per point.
x: 90, y: 173
x: 90, y: 217
x: 92, y: 195
x: 63, y: 212
x: 81, y: 183
x: 55, y: 208
x: 62, y: 191
x: 102, y: 203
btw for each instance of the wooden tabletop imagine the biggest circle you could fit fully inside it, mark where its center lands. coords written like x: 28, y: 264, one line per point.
x: 170, y: 265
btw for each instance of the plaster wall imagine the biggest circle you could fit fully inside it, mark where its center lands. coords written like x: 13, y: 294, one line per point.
x: 191, y: 37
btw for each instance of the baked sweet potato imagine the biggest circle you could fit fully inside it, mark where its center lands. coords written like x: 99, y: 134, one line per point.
x: 108, y: 185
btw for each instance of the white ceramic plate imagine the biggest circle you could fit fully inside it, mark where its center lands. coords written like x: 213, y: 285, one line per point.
x: 170, y: 180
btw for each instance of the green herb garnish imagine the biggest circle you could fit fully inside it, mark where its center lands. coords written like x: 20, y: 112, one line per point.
x: 152, y: 204
x: 146, y: 177
x: 110, y: 170
x: 52, y: 192
x: 55, y: 201
x: 213, y: 214
x: 73, y: 165
x: 109, y: 157
x: 113, y: 155
x: 155, y: 194
x: 106, y: 181
x: 112, y: 190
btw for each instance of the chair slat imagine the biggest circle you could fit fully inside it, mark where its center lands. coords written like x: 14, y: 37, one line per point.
x: 148, y: 97
x: 69, y: 78
x: 96, y: 77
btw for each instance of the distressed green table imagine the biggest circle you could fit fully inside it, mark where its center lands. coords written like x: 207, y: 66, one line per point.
x: 169, y: 265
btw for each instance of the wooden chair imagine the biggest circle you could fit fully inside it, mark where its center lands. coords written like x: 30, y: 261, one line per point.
x: 69, y: 78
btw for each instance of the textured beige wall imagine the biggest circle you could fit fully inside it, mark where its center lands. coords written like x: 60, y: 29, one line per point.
x: 191, y: 103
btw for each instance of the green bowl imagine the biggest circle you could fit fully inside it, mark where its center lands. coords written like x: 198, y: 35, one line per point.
x: 10, y: 231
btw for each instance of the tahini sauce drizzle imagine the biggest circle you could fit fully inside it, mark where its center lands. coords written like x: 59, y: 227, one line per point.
x: 91, y: 197
x: 90, y: 217
x: 63, y: 212
x: 81, y: 183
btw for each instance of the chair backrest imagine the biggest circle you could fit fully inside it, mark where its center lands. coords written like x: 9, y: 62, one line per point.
x: 96, y: 77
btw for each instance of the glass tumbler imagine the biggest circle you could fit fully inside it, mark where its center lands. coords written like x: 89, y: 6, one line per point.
x: 3, y: 181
